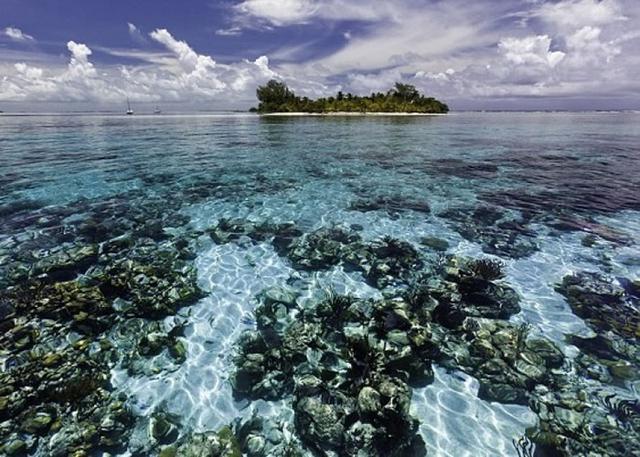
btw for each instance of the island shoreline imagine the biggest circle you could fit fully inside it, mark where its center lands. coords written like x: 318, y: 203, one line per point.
x: 347, y: 113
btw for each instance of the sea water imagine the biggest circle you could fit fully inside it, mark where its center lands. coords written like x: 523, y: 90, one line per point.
x: 545, y: 168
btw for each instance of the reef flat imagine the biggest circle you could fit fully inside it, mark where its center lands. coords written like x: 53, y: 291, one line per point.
x: 243, y: 297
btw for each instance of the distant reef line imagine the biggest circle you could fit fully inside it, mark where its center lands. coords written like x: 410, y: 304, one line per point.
x: 403, y: 99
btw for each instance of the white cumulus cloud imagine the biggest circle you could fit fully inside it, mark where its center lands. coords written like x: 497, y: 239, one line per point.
x: 16, y: 34
x: 587, y: 48
x: 279, y: 12
x: 578, y: 13
x: 532, y: 50
x: 30, y: 73
x: 79, y: 66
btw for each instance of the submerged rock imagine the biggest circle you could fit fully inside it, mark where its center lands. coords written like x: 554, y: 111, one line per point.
x: 347, y: 363
x: 153, y: 432
x: 82, y: 306
x: 262, y: 437
x: 222, y: 443
x: 607, y: 359
x: 16, y: 447
x: 437, y: 244
x: 508, y: 364
x: 326, y: 247
x: 384, y: 262
x: 602, y: 303
x: 391, y: 262
x: 157, y: 281
x: 319, y: 424
x: 281, y: 235
x: 472, y: 289
x: 588, y: 421
x: 67, y: 288
x: 148, y: 347
x: 497, y: 231
x: 163, y: 428
x: 393, y: 205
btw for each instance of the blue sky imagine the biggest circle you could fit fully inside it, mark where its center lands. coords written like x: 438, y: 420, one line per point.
x: 474, y: 54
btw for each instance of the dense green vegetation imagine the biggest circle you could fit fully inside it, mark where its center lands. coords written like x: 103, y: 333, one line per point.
x: 276, y: 97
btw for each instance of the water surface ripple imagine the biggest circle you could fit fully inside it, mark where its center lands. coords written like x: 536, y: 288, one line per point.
x: 549, y: 194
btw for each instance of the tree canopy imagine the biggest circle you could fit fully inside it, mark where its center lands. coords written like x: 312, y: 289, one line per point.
x: 273, y: 95
x: 276, y: 97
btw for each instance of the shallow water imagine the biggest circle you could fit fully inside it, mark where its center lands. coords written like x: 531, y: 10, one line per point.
x: 555, y: 177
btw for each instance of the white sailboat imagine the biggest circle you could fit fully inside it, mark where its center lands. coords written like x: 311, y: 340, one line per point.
x: 129, y: 110
x: 157, y: 110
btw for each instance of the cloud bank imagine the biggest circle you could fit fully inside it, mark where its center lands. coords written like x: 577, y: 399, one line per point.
x: 180, y: 75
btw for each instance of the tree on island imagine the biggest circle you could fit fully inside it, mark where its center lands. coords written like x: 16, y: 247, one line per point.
x: 276, y: 97
x: 405, y: 92
x: 273, y: 95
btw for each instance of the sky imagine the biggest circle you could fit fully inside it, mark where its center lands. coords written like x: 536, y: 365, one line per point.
x: 212, y: 54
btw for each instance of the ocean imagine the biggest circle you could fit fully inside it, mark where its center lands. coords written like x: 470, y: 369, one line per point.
x: 227, y: 284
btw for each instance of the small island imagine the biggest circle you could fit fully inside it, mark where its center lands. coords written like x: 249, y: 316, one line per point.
x: 276, y: 98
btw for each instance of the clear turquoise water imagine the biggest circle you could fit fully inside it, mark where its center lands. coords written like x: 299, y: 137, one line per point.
x: 557, y: 176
